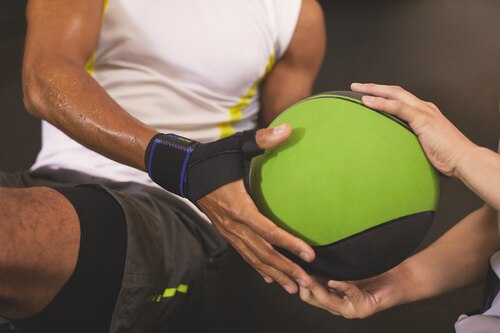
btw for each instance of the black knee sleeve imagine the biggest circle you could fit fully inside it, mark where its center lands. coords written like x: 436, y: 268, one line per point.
x: 87, y: 300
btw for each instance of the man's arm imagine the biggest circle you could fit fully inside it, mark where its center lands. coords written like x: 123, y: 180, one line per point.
x: 61, y: 37
x: 62, y: 34
x: 293, y: 77
x: 457, y: 259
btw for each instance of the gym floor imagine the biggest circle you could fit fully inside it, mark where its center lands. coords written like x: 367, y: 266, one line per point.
x: 444, y: 51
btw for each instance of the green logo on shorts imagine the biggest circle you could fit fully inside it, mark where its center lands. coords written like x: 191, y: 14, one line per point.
x: 168, y: 293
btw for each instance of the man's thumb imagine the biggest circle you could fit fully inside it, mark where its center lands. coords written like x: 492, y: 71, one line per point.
x: 271, y: 137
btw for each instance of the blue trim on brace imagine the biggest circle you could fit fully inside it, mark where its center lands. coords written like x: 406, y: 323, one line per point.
x: 183, y: 171
x: 150, y: 171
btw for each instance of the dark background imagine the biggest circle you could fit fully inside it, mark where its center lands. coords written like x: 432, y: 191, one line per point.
x: 445, y: 51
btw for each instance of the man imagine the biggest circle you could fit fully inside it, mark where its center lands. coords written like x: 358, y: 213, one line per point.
x: 119, y: 254
x: 462, y: 255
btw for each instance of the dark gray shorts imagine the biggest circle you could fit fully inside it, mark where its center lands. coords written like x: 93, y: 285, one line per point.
x: 171, y: 250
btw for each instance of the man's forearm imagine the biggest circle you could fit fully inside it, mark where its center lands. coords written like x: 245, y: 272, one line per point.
x: 457, y: 259
x: 62, y: 93
x: 479, y: 169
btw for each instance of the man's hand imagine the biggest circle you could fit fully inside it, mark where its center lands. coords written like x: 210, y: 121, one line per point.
x: 236, y: 217
x: 444, y: 145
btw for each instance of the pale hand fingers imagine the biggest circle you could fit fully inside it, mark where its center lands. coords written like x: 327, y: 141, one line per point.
x: 393, y: 107
x: 388, y: 92
x: 310, y: 296
x: 307, y: 296
x: 346, y: 288
x: 340, y: 298
x: 442, y: 142
x: 356, y: 303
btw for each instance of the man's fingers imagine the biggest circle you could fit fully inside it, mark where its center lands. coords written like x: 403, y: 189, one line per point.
x: 279, y: 237
x: 272, y: 258
x: 268, y: 279
x: 267, y: 255
x: 267, y: 138
x: 259, y: 234
x: 268, y: 273
x: 265, y: 228
x: 237, y: 226
x: 254, y: 255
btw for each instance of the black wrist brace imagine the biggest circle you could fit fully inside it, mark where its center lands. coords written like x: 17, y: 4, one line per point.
x: 192, y: 169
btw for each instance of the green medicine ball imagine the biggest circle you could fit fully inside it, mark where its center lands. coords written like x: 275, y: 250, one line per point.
x: 353, y: 182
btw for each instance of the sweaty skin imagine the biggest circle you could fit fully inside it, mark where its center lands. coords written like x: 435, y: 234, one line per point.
x: 61, y: 36
x: 457, y: 259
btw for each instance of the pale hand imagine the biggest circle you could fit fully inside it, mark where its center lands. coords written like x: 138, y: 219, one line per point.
x: 357, y: 299
x: 444, y: 145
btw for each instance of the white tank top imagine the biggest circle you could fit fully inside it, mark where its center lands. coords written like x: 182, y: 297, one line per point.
x: 190, y: 67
